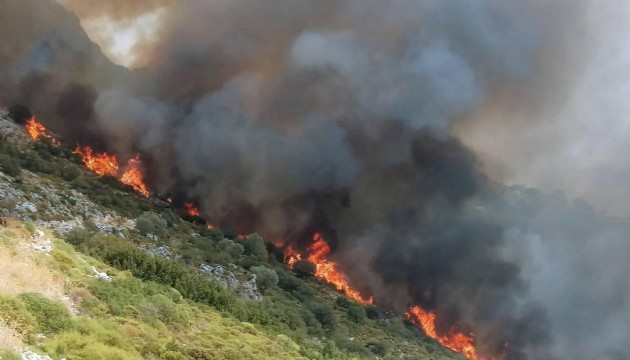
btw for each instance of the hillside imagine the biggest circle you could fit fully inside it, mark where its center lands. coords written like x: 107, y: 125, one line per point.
x: 90, y: 269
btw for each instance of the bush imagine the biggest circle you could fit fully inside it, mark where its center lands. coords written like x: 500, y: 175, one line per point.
x: 356, y: 314
x: 150, y: 223
x: 304, y: 269
x: 255, y: 245
x: 324, y: 315
x: 70, y: 172
x: 14, y: 313
x: 231, y: 248
x: 51, y: 317
x: 9, y: 165
x: 9, y: 355
x: 77, y: 236
x: 294, y: 286
x: 20, y: 113
x: 192, y: 285
x: 265, y: 277
x: 32, y: 229
x: 378, y: 348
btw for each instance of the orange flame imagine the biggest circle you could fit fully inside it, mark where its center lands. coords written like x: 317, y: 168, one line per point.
x: 454, y: 340
x: 36, y: 130
x: 192, y: 210
x: 102, y: 164
x: 133, y: 176
x: 326, y: 269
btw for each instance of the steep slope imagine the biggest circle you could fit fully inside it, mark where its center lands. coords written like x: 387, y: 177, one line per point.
x: 179, y: 289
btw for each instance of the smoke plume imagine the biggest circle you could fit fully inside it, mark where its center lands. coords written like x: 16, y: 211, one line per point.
x: 374, y: 123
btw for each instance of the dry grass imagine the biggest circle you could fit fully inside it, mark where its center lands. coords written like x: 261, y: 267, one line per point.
x: 10, y: 339
x: 22, y: 269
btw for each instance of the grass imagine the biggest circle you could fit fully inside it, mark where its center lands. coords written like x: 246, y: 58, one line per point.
x: 23, y: 270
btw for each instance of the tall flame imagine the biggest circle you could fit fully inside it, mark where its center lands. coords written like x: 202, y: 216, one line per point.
x: 105, y: 164
x: 326, y: 269
x: 36, y: 130
x: 102, y: 164
x: 133, y: 176
x: 453, y: 340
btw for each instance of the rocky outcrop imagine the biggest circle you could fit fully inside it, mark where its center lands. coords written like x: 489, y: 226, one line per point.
x: 41, y: 242
x: 246, y: 289
x: 101, y: 275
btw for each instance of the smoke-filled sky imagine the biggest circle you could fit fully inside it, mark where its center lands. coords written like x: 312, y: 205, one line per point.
x: 401, y: 130
x: 579, y: 150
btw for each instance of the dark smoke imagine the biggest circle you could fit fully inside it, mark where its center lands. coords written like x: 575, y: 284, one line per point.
x: 347, y: 117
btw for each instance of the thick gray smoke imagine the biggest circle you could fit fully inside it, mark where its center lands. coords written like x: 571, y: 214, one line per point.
x: 347, y: 117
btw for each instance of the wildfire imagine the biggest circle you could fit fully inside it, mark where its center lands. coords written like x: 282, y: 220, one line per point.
x: 192, y: 210
x: 102, y: 164
x: 133, y: 176
x: 454, y: 340
x: 36, y: 130
x: 105, y: 164
x: 326, y: 269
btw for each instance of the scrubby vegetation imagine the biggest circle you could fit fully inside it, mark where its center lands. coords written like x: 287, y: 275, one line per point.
x: 161, y: 307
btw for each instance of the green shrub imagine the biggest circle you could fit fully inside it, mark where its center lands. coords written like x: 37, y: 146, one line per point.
x: 265, y: 277
x: 15, y: 314
x: 190, y: 284
x: 255, y: 245
x: 30, y: 227
x: 9, y: 355
x: 378, y: 348
x: 295, y: 287
x: 324, y: 315
x: 70, y: 172
x: 233, y: 249
x: 77, y: 236
x: 51, y: 317
x: 9, y: 165
x: 150, y: 223
x: 356, y: 314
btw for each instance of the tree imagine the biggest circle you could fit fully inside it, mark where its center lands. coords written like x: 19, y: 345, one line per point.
x: 255, y: 245
x: 265, y: 277
x: 304, y: 269
x: 233, y: 249
x: 20, y: 113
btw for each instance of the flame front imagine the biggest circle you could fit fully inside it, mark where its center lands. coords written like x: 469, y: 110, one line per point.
x: 133, y: 176
x: 454, y: 340
x: 102, y: 164
x: 36, y: 130
x: 325, y: 269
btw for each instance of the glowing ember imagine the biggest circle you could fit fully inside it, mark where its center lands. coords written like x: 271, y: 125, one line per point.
x: 325, y: 269
x: 102, y: 164
x: 36, y: 130
x: 133, y: 176
x: 192, y: 210
x: 454, y: 340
